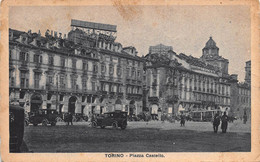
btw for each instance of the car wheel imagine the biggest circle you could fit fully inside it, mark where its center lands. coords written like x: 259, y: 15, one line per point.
x: 53, y: 123
x: 35, y: 124
x: 45, y: 122
x: 94, y: 124
x: 103, y: 126
x: 115, y: 125
x: 58, y: 119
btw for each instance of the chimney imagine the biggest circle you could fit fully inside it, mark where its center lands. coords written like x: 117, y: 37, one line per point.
x: 34, y: 42
x: 234, y: 76
x: 39, y: 33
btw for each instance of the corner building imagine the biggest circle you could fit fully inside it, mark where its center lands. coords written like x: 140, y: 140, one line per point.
x: 86, y: 72
x: 177, y: 82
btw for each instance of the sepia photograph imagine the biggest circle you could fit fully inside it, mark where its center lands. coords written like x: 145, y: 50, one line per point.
x: 130, y: 81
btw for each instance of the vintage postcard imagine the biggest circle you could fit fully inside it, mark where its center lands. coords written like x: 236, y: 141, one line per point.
x: 130, y: 81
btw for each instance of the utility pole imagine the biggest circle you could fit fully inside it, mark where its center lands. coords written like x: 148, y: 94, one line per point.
x: 57, y: 92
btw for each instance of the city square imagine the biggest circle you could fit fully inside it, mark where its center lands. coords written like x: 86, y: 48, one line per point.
x: 153, y: 136
x: 130, y: 88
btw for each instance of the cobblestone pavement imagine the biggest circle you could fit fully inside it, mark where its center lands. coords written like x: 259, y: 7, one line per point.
x: 236, y: 126
x: 153, y: 136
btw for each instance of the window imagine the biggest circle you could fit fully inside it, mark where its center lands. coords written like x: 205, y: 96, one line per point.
x: 84, y: 85
x: 50, y: 79
x: 24, y: 81
x: 49, y: 95
x: 138, y: 73
x: 37, y: 59
x: 24, y: 56
x: 118, y: 71
x: 103, y: 68
x: 62, y: 83
x: 62, y: 62
x: 12, y: 81
x: 93, y: 86
x: 110, y: 88
x: 74, y: 63
x: 95, y: 68
x: 111, y: 69
x: 84, y: 66
x: 51, y: 60
x: 61, y: 97
x: 10, y: 54
x: 83, y: 98
x: 73, y: 82
x: 36, y: 80
x: 154, y: 92
x: 102, y: 86
x: 127, y: 72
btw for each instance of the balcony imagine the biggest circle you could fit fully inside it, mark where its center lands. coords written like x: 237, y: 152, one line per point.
x: 153, y: 99
x: 134, y: 96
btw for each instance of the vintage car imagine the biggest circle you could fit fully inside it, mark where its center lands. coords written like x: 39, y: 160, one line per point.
x: 16, y: 127
x: 115, y: 119
x: 43, y: 116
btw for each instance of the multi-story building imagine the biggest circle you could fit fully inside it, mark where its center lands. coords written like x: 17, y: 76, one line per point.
x: 241, y: 95
x: 184, y: 83
x: 87, y: 72
x: 248, y: 72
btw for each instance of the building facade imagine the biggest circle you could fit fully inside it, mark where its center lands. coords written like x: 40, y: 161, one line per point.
x: 241, y: 94
x: 248, y: 72
x: 177, y: 82
x: 86, y: 72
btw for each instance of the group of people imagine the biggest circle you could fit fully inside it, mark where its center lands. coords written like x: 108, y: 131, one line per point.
x: 224, y: 122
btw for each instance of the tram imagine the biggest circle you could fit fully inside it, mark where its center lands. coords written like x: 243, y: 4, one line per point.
x: 204, y: 115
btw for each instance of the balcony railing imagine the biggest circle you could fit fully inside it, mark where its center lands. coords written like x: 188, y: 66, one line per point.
x: 153, y: 99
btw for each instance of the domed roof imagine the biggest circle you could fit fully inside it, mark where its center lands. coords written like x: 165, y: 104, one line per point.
x: 211, y: 43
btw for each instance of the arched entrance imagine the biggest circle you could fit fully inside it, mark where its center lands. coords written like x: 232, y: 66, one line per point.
x: 36, y: 102
x: 72, y: 104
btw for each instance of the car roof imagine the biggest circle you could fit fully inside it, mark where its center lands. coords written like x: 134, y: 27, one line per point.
x: 15, y: 107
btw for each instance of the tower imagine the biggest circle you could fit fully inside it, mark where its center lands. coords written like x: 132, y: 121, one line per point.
x: 248, y: 72
x: 210, y: 55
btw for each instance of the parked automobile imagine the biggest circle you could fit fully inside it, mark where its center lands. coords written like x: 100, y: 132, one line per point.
x: 16, y: 127
x: 115, y: 119
x: 44, y: 116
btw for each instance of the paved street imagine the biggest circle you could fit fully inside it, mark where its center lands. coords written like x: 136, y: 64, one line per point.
x: 153, y: 136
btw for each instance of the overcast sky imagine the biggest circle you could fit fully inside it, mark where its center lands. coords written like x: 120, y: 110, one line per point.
x: 185, y: 28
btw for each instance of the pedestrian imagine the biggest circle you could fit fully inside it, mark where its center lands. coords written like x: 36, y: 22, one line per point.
x: 182, y: 120
x: 224, y: 123
x: 70, y: 118
x: 216, y: 122
x: 245, y: 118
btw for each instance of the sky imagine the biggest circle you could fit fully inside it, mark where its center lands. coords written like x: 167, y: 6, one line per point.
x: 185, y: 28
